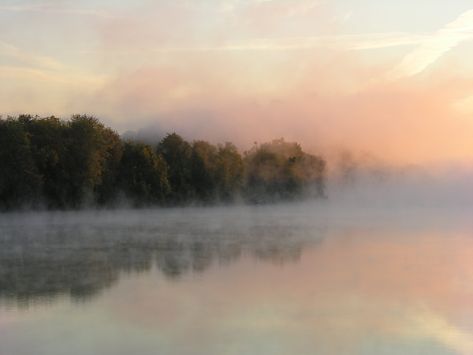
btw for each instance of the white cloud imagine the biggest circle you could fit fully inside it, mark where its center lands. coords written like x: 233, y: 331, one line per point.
x: 429, y: 324
x: 30, y: 66
x: 54, y: 9
x: 26, y: 58
x: 340, y: 42
x: 435, y: 46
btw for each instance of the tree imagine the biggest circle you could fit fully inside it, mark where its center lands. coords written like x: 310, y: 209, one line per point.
x: 91, y: 149
x: 49, y: 151
x: 229, y: 172
x: 178, y: 155
x: 143, y: 175
x: 20, y: 182
x: 204, y: 170
x: 112, y: 150
x: 80, y: 162
x: 281, y: 170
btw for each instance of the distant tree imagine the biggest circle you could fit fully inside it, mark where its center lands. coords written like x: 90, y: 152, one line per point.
x: 112, y: 149
x: 80, y: 162
x: 281, y: 170
x: 229, y: 172
x: 20, y: 182
x: 178, y: 155
x: 91, y: 147
x: 49, y: 150
x: 204, y: 161
x: 143, y: 175
x: 347, y: 168
x: 312, y: 172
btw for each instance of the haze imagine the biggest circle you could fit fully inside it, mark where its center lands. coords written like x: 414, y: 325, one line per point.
x: 390, y: 79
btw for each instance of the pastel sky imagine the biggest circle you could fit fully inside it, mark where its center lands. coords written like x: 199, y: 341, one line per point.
x: 390, y: 78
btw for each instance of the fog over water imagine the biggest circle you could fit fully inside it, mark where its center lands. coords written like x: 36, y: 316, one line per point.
x: 317, y: 277
x: 377, y: 93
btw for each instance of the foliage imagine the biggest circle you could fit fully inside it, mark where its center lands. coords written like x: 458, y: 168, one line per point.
x: 280, y: 170
x: 178, y: 154
x: 52, y: 163
x: 204, y: 170
x: 19, y: 178
x: 143, y: 175
x: 229, y: 171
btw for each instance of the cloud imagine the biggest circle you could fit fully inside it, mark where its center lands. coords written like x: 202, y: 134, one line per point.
x: 430, y: 324
x: 22, y: 57
x: 435, y: 46
x: 27, y: 64
x: 40, y: 84
x: 53, y: 8
x: 340, y: 42
x: 250, y: 70
x: 326, y: 100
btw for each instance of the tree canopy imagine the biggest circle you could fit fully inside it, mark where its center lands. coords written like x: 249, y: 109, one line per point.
x: 62, y: 164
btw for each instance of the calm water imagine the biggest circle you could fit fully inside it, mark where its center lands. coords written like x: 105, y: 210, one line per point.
x: 298, y: 279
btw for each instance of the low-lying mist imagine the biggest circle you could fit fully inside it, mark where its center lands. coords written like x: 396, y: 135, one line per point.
x: 403, y: 188
x: 78, y: 254
x: 49, y: 163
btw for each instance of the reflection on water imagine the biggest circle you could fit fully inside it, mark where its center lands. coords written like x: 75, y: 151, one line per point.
x: 286, y: 280
x: 84, y: 254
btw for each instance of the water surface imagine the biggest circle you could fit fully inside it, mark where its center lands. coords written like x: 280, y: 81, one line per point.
x: 296, y: 279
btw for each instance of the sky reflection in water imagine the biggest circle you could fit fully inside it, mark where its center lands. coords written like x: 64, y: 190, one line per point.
x: 286, y: 280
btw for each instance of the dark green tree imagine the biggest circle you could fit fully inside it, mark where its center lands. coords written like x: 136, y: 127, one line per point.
x: 91, y: 149
x: 80, y: 162
x: 106, y: 191
x: 229, y: 172
x: 49, y: 150
x: 178, y: 155
x: 20, y: 182
x: 280, y: 170
x: 204, y: 170
x: 143, y: 175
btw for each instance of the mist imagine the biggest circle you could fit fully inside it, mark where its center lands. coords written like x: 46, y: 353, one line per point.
x: 234, y: 177
x: 255, y: 71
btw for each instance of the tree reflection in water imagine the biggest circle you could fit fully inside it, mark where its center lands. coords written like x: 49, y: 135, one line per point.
x: 80, y: 256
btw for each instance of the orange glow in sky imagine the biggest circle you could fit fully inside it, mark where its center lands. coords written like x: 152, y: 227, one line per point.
x: 392, y: 79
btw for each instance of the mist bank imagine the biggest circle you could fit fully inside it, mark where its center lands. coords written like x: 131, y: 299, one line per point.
x: 51, y: 163
x: 98, y: 248
x: 364, y: 181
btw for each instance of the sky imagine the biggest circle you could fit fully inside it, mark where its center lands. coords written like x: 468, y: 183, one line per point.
x: 392, y: 79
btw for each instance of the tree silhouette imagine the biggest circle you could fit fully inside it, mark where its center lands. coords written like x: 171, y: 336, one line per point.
x: 76, y: 163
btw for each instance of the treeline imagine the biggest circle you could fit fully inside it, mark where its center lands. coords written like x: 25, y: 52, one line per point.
x: 56, y: 164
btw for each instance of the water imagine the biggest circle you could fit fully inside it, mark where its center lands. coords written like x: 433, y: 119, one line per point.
x: 296, y: 279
